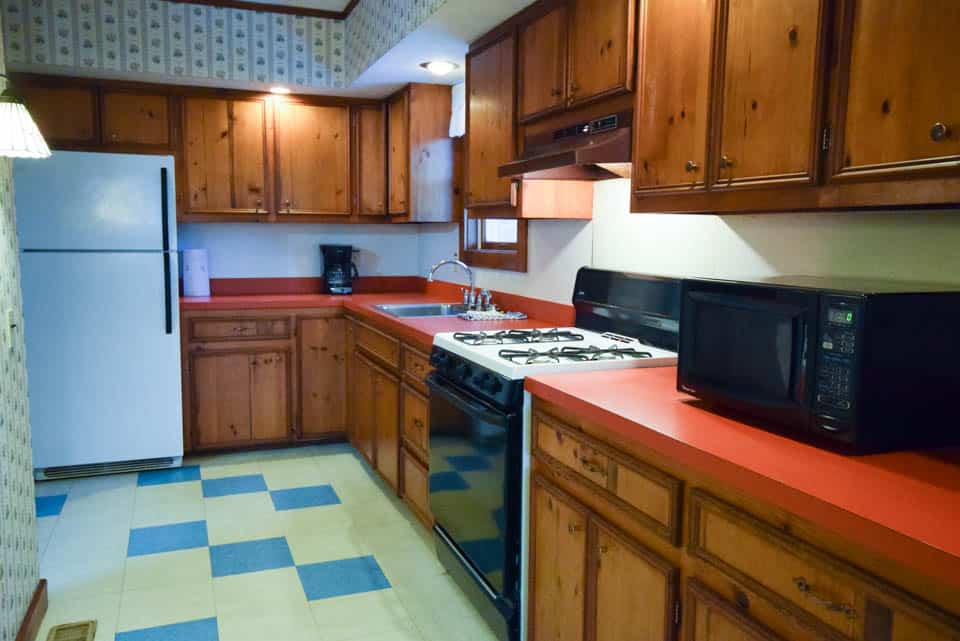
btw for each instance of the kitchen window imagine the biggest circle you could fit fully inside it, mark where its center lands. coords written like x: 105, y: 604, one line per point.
x: 494, y: 243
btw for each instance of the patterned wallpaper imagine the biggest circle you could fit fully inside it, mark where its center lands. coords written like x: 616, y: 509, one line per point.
x: 18, y: 542
x: 375, y: 26
x: 173, y: 41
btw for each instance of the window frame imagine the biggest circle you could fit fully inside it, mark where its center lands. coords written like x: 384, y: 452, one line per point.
x: 503, y: 256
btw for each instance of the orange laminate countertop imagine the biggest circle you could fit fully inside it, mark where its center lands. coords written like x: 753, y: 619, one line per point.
x: 904, y: 505
x: 419, y: 331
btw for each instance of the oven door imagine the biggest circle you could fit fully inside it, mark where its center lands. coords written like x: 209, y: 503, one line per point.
x: 475, y: 485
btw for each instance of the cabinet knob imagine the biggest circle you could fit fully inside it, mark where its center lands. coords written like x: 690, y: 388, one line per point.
x: 939, y: 132
x: 574, y: 527
x: 574, y: 87
x: 555, y: 92
x: 114, y: 137
x: 288, y: 204
x: 726, y: 162
x: 691, y: 166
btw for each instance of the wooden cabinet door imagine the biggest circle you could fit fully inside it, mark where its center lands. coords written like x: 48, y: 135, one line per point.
x: 708, y: 617
x: 601, y: 51
x: 490, y: 123
x: 542, y: 51
x: 220, y: 397
x: 897, y: 112
x: 673, y: 89
x: 769, y: 92
x: 398, y: 158
x: 313, y: 159
x: 323, y: 383
x: 371, y: 149
x: 225, y: 155
x: 362, y: 406
x: 135, y: 119
x: 269, y: 395
x: 386, y: 413
x: 67, y: 117
x: 558, y: 549
x: 625, y: 574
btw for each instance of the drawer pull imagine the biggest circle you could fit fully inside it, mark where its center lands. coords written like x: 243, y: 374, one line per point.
x: 240, y: 330
x: 593, y: 467
x: 804, y: 586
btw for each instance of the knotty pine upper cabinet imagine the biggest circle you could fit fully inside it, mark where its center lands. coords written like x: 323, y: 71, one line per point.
x: 225, y: 143
x: 491, y: 116
x: 133, y: 119
x: 542, y: 69
x: 768, y: 92
x: 398, y: 165
x: 601, y: 49
x: 672, y: 100
x: 313, y: 159
x: 370, y: 158
x: 64, y: 128
x: 897, y: 112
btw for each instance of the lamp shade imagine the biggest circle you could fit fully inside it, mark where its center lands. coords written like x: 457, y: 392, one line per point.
x: 19, y: 135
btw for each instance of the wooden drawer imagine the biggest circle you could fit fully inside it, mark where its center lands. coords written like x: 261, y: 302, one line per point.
x: 233, y: 329
x: 384, y: 347
x: 822, y: 592
x: 415, y: 426
x: 416, y: 366
x: 416, y: 486
x: 648, y: 494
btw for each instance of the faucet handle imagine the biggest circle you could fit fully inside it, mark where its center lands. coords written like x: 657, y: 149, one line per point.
x: 466, y: 296
x: 485, y: 299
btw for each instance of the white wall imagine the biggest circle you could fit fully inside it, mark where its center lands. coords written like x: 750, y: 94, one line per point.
x: 253, y: 250
x: 902, y: 245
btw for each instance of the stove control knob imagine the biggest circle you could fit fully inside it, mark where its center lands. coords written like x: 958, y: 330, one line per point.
x: 438, y: 359
x: 461, y: 371
x: 494, y: 385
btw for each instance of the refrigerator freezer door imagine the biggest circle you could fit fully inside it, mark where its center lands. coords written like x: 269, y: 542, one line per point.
x: 91, y: 201
x: 103, y: 373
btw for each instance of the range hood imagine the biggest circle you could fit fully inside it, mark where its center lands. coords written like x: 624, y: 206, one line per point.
x: 597, y: 149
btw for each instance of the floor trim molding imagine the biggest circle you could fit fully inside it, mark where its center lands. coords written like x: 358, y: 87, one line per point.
x: 34, y: 616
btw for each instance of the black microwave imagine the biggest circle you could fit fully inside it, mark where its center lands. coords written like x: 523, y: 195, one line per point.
x: 865, y: 365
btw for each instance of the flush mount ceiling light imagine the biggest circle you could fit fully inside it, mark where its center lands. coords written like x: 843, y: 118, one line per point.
x: 439, y: 67
x: 280, y: 91
x: 19, y: 135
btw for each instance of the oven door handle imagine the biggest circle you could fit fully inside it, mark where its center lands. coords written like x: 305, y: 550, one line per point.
x: 466, y: 403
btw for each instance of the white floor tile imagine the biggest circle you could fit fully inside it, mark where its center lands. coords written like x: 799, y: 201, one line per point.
x: 103, y: 609
x: 165, y: 605
x: 270, y: 593
x: 313, y: 520
x: 326, y: 545
x: 52, y: 488
x: 45, y: 528
x: 287, y: 627
x: 219, y: 471
x: 78, y: 572
x: 361, y: 615
x: 241, y: 517
x: 168, y: 503
x: 168, y: 569
x: 287, y: 473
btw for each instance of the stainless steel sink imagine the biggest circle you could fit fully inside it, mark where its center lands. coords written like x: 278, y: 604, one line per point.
x: 415, y: 310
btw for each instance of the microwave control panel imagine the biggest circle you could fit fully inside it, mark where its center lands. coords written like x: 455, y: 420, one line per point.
x: 837, y: 362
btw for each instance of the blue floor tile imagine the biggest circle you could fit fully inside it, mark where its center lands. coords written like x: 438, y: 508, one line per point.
x: 339, y: 578
x: 199, y: 630
x: 447, y: 482
x: 173, y: 475
x: 487, y: 554
x: 50, y: 505
x: 167, y: 538
x: 234, y: 485
x: 468, y: 463
x: 250, y: 556
x: 300, y: 497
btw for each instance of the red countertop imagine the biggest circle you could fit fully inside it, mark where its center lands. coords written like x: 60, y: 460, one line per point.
x: 419, y: 331
x: 904, y: 505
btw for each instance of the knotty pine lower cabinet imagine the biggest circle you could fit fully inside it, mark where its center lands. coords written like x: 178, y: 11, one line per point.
x: 589, y: 581
x: 323, y: 377
x: 241, y: 397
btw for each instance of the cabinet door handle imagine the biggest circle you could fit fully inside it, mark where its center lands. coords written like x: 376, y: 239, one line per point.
x: 834, y: 606
x: 418, y: 423
x: 726, y: 162
x: 592, y: 466
x: 691, y: 166
x: 288, y: 204
x: 573, y: 528
x: 939, y: 132
x: 258, y: 203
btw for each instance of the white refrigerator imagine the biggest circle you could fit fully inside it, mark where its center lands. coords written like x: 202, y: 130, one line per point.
x: 99, y: 275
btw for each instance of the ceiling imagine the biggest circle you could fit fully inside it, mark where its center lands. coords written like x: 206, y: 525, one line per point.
x: 446, y: 35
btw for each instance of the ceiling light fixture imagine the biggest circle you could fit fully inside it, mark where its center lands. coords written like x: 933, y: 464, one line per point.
x: 19, y: 135
x: 439, y: 67
x: 280, y: 91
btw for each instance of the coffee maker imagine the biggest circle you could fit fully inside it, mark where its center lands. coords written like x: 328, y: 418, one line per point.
x: 338, y: 269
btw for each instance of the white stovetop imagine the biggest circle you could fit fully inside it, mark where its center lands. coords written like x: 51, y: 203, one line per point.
x: 489, y: 355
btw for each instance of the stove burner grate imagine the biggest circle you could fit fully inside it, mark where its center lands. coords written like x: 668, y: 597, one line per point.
x: 570, y: 354
x: 518, y: 336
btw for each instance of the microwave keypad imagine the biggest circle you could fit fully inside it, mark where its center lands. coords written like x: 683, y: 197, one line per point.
x: 842, y: 342
x: 833, y: 385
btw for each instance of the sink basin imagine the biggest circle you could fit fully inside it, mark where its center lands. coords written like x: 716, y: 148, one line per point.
x: 415, y: 310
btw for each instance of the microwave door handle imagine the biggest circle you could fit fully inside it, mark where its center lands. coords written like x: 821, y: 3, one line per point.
x: 800, y: 389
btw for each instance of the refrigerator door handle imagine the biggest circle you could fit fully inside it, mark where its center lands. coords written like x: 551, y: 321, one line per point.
x: 164, y: 230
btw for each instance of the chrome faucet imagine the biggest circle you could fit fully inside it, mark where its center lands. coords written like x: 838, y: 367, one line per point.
x: 469, y: 295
